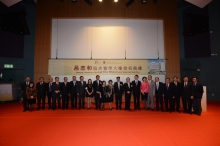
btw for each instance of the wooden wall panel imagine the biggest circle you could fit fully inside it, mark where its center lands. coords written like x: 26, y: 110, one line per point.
x: 48, y: 9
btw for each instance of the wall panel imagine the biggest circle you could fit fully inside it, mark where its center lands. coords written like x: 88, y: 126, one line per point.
x: 48, y: 9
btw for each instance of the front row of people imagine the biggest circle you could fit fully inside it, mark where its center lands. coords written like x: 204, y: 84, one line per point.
x: 167, y: 93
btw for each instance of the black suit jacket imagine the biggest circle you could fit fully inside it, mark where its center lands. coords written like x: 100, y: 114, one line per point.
x: 186, y: 91
x: 95, y: 85
x: 41, y: 89
x: 56, y: 88
x: 126, y: 88
x: 73, y: 88
x: 197, y: 90
x: 65, y: 88
x: 23, y: 89
x: 136, y: 88
x: 81, y: 88
x: 116, y: 90
x: 160, y: 91
x: 176, y: 89
x: 168, y: 93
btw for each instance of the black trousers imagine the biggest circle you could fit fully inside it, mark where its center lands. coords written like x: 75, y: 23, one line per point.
x: 177, y: 103
x: 137, y: 101
x: 54, y: 98
x: 184, y: 101
x: 189, y: 103
x: 65, y: 101
x: 81, y: 101
x: 74, y: 100
x: 25, y: 102
x: 197, y: 105
x: 49, y: 97
x: 118, y: 100
x: 127, y: 100
x: 39, y: 99
x: 97, y: 103
x: 172, y: 104
x: 159, y: 101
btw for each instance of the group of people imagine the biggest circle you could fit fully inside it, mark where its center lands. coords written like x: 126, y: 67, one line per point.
x: 168, y: 93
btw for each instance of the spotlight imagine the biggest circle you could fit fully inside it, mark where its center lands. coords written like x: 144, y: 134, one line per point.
x: 154, y: 1
x: 73, y: 0
x: 129, y: 3
x: 100, y: 0
x: 88, y: 2
x: 115, y: 1
x: 144, y: 1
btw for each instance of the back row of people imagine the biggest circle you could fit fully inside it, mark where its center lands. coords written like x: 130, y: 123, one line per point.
x: 168, y: 93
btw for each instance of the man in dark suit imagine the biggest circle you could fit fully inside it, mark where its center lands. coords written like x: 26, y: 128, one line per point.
x: 186, y: 88
x: 118, y: 89
x: 127, y: 89
x: 159, y: 93
x: 168, y: 95
x: 95, y: 86
x: 65, y: 93
x: 41, y: 93
x: 56, y: 93
x: 176, y: 87
x: 73, y: 92
x: 49, y: 91
x: 197, y: 92
x: 81, y: 92
x: 24, y: 95
x: 136, y: 92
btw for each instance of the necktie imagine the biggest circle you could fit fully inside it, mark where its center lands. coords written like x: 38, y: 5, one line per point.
x: 27, y: 84
x: 167, y: 86
x: 129, y: 85
x: 184, y: 84
x: 40, y: 83
x: 157, y: 86
x: 136, y: 83
x: 118, y: 85
x: 82, y: 82
x: 74, y: 83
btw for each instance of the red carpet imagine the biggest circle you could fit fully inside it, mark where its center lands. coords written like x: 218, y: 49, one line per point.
x: 107, y: 128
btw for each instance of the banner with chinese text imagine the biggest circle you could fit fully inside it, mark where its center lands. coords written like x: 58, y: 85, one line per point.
x: 101, y: 67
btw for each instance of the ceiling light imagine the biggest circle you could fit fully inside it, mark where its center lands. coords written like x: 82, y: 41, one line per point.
x: 144, y: 1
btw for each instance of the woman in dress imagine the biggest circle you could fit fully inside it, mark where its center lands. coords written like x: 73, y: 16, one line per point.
x: 102, y: 93
x: 31, y: 92
x: 110, y: 93
x: 144, y: 91
x: 89, y: 93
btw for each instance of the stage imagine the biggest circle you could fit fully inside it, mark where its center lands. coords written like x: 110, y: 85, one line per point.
x: 107, y: 128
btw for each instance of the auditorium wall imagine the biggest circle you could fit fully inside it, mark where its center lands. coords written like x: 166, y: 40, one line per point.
x: 165, y: 10
x: 22, y: 66
x: 209, y: 66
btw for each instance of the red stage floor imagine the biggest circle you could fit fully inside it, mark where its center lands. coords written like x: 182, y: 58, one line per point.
x: 107, y: 128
